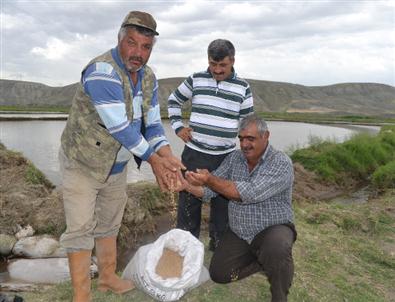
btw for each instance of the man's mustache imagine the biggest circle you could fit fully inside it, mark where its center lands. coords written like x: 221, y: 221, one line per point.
x: 139, y: 59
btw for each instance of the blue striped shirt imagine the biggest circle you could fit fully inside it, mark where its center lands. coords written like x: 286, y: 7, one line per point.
x: 217, y: 108
x: 265, y: 192
x: 104, y: 86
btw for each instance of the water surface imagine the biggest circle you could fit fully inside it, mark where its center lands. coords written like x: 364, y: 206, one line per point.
x: 40, y: 140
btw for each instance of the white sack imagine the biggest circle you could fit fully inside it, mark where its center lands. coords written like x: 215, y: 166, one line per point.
x: 47, y: 271
x: 141, y: 269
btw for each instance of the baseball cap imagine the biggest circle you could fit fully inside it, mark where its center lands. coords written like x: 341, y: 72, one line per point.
x: 142, y: 19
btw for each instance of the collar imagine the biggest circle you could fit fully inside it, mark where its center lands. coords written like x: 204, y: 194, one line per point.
x: 264, y: 155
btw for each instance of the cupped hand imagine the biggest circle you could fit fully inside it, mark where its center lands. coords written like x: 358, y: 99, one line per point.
x: 198, y: 178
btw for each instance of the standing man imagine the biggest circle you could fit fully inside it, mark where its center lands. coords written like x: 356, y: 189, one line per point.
x: 114, y: 115
x: 258, y: 181
x: 219, y: 100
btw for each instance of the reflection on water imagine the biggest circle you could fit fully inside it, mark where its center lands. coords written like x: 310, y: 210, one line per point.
x: 40, y: 140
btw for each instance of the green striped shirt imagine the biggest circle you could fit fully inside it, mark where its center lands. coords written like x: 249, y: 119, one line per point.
x: 217, y: 108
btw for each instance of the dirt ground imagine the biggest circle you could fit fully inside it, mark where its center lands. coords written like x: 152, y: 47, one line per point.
x: 148, y: 212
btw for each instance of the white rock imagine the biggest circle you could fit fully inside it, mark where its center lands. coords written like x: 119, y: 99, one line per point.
x: 7, y: 242
x: 42, y: 271
x: 38, y: 247
x: 24, y: 232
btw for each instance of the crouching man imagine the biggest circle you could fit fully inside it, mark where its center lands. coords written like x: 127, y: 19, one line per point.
x: 258, y: 182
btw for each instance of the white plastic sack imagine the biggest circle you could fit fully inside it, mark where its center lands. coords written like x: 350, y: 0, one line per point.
x: 47, y: 271
x: 141, y: 269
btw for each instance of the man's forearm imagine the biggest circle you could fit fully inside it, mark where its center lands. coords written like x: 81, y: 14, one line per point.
x: 224, y: 187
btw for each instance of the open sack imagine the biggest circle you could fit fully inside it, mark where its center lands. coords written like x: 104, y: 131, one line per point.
x: 142, y: 267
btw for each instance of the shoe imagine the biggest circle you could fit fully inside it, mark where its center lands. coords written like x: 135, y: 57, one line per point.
x: 106, y: 253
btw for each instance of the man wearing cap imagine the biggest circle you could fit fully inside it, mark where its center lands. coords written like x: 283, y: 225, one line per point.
x: 219, y: 100
x: 114, y: 116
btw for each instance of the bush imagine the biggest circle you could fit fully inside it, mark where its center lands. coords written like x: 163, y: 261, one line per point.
x: 384, y: 176
x: 357, y: 158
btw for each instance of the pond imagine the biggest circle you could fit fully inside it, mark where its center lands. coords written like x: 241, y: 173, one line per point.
x: 39, y: 141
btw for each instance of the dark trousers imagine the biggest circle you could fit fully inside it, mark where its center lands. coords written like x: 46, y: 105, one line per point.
x: 270, y: 251
x: 190, y: 208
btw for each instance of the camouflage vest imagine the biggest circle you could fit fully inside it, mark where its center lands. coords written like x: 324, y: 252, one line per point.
x: 85, y: 141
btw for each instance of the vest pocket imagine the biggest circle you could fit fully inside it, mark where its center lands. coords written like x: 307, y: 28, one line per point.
x: 97, y: 148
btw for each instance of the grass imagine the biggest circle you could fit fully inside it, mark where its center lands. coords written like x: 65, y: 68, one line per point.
x: 284, y: 116
x: 36, y: 177
x: 343, y: 253
x: 360, y: 158
x: 33, y: 109
x: 327, y: 118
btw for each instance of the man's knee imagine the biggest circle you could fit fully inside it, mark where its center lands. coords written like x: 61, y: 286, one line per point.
x: 218, y: 275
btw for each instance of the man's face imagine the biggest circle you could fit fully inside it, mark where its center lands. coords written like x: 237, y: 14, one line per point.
x: 135, y: 49
x: 252, y: 144
x: 221, y: 70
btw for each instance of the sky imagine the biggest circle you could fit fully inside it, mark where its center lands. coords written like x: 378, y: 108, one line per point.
x: 307, y: 42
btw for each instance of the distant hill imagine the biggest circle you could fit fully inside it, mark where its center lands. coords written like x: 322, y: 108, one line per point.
x: 346, y: 98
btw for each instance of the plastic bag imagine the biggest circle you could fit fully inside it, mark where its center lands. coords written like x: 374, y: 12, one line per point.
x: 141, y: 269
x: 47, y: 271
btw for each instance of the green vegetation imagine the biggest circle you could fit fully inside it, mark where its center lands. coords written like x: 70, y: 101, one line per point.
x: 384, y: 176
x: 343, y: 253
x: 33, y: 109
x: 317, y: 118
x: 326, y: 118
x: 360, y: 158
x: 36, y: 177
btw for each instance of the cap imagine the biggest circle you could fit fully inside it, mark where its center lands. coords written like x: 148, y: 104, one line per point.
x: 140, y: 19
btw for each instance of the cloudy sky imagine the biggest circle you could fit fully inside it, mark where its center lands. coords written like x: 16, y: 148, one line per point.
x: 308, y: 42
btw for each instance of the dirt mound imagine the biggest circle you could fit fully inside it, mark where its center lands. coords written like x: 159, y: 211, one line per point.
x: 23, y: 202
x: 307, y: 186
x: 40, y: 205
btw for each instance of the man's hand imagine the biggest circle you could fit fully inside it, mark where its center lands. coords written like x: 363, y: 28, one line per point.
x: 183, y: 185
x: 162, y: 173
x: 166, y: 167
x: 198, y: 178
x: 185, y: 134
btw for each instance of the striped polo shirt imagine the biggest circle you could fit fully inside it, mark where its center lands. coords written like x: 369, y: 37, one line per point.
x: 217, y: 108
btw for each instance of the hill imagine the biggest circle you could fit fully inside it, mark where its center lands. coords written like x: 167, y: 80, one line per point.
x: 370, y: 99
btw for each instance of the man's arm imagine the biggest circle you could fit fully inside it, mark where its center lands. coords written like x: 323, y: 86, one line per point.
x: 104, y: 87
x: 174, y: 106
x: 247, y: 106
x: 220, y: 185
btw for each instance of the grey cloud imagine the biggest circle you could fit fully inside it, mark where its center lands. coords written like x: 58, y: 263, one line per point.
x: 291, y: 29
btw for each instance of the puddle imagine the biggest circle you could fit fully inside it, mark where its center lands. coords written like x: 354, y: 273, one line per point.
x: 358, y: 197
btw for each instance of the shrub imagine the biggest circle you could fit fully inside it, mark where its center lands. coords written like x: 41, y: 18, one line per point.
x: 357, y: 158
x: 384, y: 176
